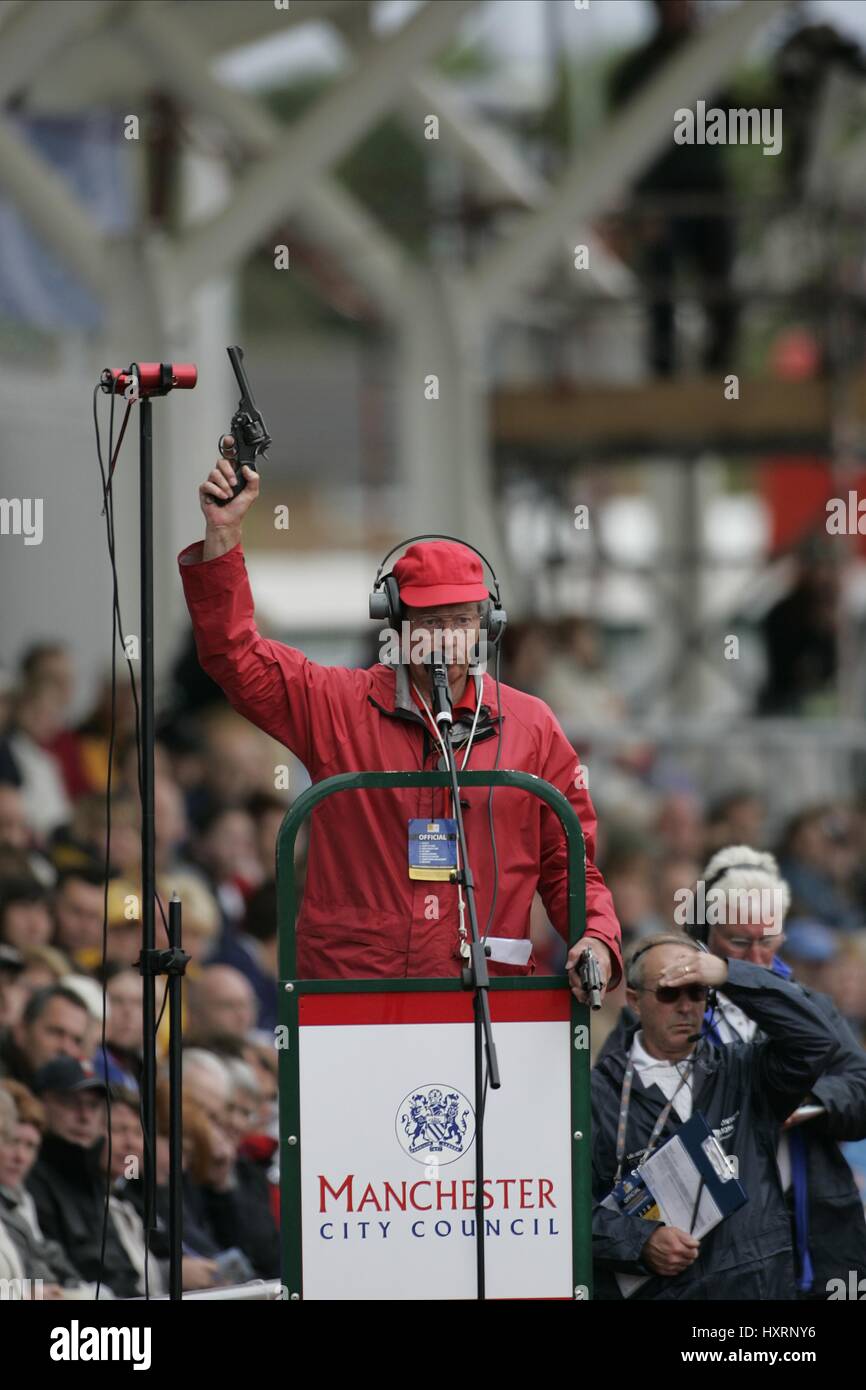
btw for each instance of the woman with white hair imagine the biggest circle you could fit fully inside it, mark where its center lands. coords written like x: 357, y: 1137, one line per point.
x: 741, y: 905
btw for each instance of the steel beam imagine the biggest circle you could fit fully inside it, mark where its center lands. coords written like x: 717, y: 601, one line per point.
x: 334, y: 218
x: 279, y: 184
x: 45, y: 199
x: 34, y: 33
x: 624, y: 147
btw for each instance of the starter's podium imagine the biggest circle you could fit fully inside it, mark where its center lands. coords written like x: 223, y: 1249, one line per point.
x: 377, y: 1115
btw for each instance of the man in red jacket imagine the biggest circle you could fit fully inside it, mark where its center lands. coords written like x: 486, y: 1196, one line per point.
x: 366, y: 911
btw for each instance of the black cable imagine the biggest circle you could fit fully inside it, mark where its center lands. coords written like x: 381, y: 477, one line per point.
x: 490, y: 796
x: 480, y: 1119
x: 111, y: 737
x: 493, y: 848
x: 484, y: 1093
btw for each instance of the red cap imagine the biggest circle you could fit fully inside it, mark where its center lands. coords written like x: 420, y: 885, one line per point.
x: 434, y: 572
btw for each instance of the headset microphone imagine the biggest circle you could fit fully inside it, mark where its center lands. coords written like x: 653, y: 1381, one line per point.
x: 441, y: 693
x: 712, y: 1005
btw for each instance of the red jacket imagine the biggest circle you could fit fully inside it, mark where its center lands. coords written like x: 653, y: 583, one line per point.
x: 362, y: 915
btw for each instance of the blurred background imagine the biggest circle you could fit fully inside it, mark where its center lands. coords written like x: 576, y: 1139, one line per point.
x: 480, y: 290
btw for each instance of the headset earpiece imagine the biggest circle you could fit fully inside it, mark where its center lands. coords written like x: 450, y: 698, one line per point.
x: 392, y: 596
x: 378, y: 606
x: 385, y: 605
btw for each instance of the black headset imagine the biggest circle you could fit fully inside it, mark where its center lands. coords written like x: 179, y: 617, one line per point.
x: 385, y: 601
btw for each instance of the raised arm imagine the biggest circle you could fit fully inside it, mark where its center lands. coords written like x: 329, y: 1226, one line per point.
x: 309, y: 708
x: 800, y: 1040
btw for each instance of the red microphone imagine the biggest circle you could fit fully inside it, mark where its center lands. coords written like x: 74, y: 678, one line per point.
x: 150, y: 378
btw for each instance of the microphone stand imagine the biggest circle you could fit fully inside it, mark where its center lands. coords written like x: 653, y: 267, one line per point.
x: 147, y: 964
x: 153, y: 961
x: 174, y: 963
x: 145, y: 381
x: 475, y: 974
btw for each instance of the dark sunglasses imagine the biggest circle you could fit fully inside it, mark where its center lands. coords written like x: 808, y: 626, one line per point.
x: 669, y: 994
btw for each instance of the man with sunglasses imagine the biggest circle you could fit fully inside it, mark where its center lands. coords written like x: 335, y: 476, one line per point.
x: 643, y: 1089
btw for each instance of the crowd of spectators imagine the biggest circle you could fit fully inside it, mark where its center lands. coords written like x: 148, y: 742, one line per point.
x: 217, y: 817
x: 71, y: 1208
x: 658, y: 826
x: 652, y: 869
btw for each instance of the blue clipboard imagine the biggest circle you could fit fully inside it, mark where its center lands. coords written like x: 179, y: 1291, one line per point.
x: 688, y: 1181
x: 640, y: 1193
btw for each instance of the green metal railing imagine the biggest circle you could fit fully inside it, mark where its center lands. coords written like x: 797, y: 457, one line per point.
x: 293, y: 989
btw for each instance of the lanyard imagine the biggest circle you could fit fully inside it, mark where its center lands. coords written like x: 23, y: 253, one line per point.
x: 462, y: 933
x: 625, y: 1101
